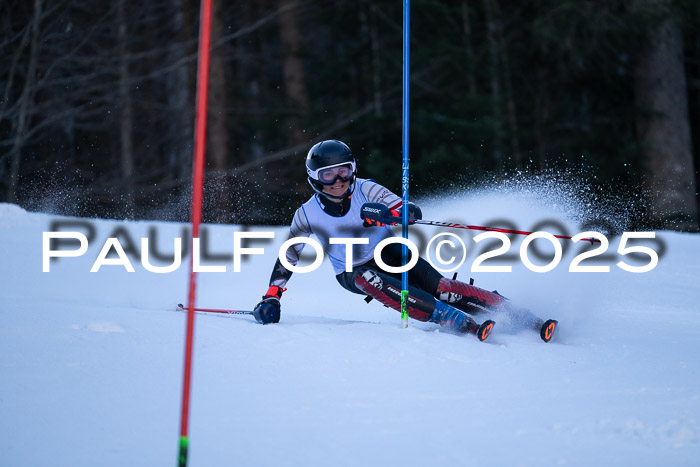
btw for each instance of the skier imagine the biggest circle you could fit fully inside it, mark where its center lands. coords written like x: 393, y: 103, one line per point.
x: 334, y: 212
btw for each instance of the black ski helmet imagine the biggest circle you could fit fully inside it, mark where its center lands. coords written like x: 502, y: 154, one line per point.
x: 328, y: 154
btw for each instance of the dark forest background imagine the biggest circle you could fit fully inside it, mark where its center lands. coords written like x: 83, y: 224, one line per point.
x: 97, y: 100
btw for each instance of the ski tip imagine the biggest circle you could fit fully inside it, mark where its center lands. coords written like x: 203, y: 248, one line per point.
x: 547, y: 329
x: 485, y: 329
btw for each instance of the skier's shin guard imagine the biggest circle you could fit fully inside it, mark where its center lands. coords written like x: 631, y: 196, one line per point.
x: 387, y: 290
x: 458, y: 293
x: 421, y: 305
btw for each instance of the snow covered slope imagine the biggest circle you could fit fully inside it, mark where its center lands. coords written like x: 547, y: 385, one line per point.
x: 91, y: 363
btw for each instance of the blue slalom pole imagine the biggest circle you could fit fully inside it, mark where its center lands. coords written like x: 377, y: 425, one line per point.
x: 404, y: 176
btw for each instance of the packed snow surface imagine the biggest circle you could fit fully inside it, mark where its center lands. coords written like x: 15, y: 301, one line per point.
x: 91, y: 363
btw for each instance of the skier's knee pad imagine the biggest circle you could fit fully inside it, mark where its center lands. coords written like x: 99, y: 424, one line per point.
x: 387, y: 290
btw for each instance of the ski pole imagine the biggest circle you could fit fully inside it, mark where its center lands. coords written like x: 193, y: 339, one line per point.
x: 181, y: 307
x: 379, y: 213
x: 405, y: 163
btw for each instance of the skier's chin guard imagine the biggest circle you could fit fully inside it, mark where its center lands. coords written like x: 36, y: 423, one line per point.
x: 267, y: 311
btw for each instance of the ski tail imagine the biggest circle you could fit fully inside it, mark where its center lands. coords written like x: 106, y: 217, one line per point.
x: 485, y: 329
x: 547, y: 329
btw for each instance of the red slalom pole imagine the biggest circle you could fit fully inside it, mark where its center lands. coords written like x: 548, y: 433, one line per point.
x: 197, y: 189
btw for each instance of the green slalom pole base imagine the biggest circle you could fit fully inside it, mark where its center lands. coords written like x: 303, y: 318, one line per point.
x: 404, y: 308
x: 182, y: 457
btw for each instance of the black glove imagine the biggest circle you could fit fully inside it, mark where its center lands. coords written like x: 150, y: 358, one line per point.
x: 378, y: 215
x: 269, y: 309
x: 375, y: 223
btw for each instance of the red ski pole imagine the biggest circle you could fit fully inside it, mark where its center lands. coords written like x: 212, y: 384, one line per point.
x: 181, y: 307
x: 488, y: 229
x: 377, y: 212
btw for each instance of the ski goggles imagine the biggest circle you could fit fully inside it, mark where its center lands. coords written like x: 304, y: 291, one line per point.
x: 329, y: 175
